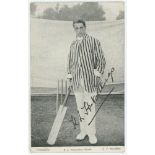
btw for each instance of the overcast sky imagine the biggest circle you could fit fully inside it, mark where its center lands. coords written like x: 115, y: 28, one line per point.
x: 111, y: 8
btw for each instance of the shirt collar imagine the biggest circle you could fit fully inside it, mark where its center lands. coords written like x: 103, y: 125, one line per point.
x: 84, y: 37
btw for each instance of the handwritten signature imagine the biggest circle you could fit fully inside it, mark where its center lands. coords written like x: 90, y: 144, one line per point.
x: 74, y: 122
x: 87, y: 107
x: 94, y: 98
x: 100, y: 88
x: 102, y: 84
x: 80, y: 118
x: 101, y: 105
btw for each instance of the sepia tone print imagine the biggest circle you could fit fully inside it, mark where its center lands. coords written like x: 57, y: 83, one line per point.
x: 77, y: 76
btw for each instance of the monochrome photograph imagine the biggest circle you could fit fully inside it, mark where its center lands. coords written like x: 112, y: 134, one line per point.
x: 77, y: 83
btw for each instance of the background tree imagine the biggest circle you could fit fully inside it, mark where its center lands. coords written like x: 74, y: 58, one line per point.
x: 90, y: 11
x: 57, y: 8
x: 33, y: 8
x: 65, y: 13
x: 49, y: 13
x: 120, y: 15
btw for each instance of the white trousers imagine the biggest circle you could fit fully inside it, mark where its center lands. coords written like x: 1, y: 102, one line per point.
x: 86, y: 109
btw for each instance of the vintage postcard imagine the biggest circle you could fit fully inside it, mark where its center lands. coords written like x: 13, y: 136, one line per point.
x: 77, y: 76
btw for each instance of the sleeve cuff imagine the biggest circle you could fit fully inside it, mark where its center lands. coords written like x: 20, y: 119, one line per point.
x: 97, y: 73
x: 69, y: 76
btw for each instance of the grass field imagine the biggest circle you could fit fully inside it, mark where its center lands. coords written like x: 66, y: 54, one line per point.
x: 109, y: 122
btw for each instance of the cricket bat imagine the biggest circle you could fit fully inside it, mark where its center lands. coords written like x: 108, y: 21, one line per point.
x: 58, y: 120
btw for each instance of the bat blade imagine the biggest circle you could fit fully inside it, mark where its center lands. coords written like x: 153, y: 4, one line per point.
x: 57, y: 125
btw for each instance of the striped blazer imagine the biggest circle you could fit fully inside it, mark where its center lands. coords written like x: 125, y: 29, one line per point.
x: 83, y: 58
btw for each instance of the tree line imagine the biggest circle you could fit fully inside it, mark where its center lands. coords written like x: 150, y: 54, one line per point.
x: 89, y: 11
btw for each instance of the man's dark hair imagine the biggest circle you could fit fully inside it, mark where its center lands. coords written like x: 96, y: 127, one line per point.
x: 79, y: 21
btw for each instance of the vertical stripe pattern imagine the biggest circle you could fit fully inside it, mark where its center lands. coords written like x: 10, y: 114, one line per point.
x: 83, y: 58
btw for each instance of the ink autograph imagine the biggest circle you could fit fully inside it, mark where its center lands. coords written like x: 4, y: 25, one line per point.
x: 101, y: 105
x: 87, y: 107
x: 74, y: 122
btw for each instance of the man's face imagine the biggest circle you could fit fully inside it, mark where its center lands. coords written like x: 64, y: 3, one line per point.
x: 80, y: 29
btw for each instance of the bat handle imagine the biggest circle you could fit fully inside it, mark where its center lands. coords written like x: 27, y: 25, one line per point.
x: 66, y: 98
